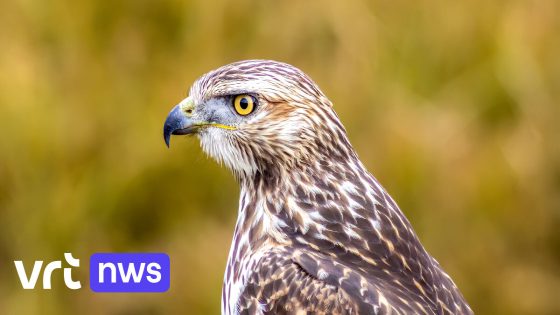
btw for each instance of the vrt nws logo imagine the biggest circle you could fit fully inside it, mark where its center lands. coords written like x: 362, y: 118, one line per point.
x: 109, y: 272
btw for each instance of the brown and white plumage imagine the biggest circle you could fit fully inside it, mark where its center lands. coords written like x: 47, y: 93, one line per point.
x: 315, y: 231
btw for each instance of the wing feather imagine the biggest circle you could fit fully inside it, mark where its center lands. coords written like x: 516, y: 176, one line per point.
x: 299, y: 280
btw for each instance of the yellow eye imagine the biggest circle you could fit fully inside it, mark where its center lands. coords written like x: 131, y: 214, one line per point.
x: 244, y: 104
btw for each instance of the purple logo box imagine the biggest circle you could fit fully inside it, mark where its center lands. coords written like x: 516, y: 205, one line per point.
x: 129, y: 272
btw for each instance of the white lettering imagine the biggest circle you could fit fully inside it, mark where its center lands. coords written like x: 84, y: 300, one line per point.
x: 131, y: 272
x: 25, y: 282
x: 155, y: 276
x: 47, y: 274
x: 113, y: 270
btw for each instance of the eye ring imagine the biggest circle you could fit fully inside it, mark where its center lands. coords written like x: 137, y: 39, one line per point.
x: 244, y: 104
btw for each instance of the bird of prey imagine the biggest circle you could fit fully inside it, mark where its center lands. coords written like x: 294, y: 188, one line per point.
x: 316, y: 233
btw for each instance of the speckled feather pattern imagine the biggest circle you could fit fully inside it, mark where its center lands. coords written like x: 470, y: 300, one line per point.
x: 316, y: 233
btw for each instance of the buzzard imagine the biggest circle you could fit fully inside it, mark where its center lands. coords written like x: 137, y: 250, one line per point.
x: 316, y: 233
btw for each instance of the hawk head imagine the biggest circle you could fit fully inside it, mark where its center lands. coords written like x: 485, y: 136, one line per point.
x: 258, y: 116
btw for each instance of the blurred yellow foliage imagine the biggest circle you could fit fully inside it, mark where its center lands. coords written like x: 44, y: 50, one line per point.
x: 454, y: 106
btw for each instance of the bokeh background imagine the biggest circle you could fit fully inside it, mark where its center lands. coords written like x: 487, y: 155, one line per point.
x: 454, y: 106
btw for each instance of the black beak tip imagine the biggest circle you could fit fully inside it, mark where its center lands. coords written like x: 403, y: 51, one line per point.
x: 167, y: 135
x: 172, y: 122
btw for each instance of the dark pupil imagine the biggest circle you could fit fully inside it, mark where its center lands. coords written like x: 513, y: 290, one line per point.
x: 244, y: 103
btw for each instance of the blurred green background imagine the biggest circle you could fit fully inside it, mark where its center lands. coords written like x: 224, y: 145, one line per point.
x: 454, y: 106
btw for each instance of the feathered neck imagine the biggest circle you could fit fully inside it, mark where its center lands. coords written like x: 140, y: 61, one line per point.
x: 280, y: 202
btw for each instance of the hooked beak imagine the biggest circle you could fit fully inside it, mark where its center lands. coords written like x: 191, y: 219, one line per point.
x: 179, y: 120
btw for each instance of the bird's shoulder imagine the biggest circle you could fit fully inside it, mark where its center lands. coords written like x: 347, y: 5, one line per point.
x: 293, y: 279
